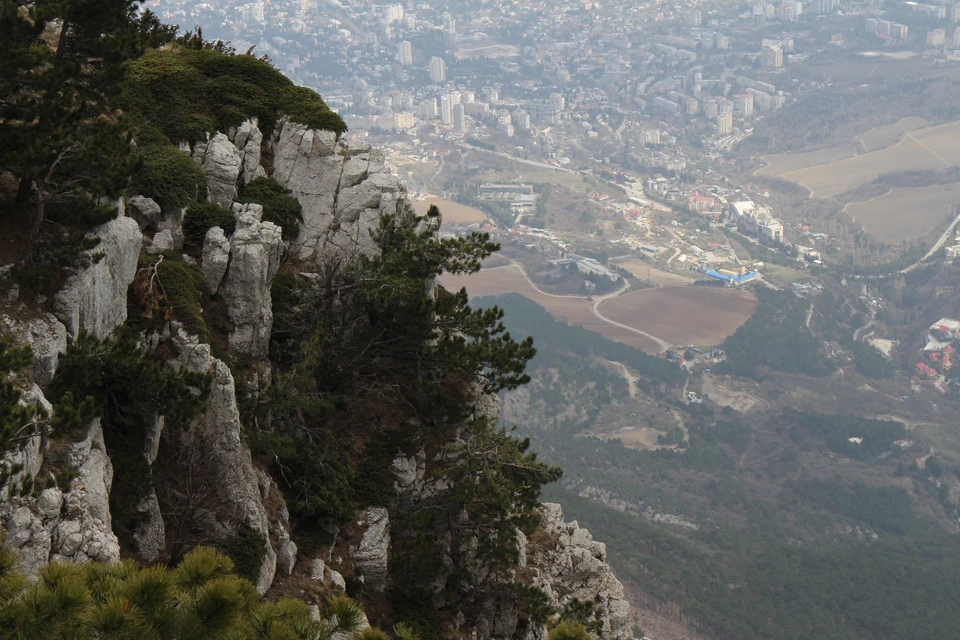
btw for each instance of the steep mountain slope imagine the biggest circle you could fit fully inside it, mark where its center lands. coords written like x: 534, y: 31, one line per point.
x: 246, y: 349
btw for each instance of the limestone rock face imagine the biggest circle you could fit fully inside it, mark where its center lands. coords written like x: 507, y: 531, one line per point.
x: 248, y: 140
x: 149, y: 537
x: 70, y: 527
x: 371, y: 556
x: 216, y: 257
x: 410, y: 481
x: 46, y: 336
x: 222, y: 163
x: 218, y: 433
x: 94, y: 472
x: 95, y: 299
x: 28, y: 457
x: 255, y: 252
x: 144, y: 210
x: 343, y: 191
x: 576, y: 567
x: 162, y: 241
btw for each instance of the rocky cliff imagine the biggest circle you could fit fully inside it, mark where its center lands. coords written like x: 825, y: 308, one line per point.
x: 344, y: 192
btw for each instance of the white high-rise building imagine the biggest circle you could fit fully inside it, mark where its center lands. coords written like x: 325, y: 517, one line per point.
x: 459, y: 119
x: 393, y: 13
x: 438, y: 70
x: 446, y: 109
x: 405, y: 53
x: 253, y: 13
x: 724, y: 124
x: 771, y: 56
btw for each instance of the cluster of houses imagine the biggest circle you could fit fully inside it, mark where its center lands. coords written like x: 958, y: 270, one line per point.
x: 938, y: 356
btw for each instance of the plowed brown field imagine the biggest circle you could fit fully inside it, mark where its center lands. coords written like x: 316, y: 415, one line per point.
x: 683, y: 315
x: 679, y: 315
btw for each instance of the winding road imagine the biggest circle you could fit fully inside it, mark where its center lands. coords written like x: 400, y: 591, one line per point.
x: 599, y: 300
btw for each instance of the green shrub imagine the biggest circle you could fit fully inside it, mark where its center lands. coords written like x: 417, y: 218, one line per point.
x: 202, y: 597
x: 278, y: 206
x: 127, y: 388
x: 316, y: 474
x: 203, y: 216
x: 187, y: 93
x: 305, y: 106
x: 80, y: 210
x: 246, y: 548
x: 165, y: 289
x: 169, y: 177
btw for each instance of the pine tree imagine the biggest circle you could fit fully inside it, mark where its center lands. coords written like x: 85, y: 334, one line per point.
x: 60, y: 135
x: 200, y: 599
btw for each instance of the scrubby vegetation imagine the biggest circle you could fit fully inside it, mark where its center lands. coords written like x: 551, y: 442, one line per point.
x: 200, y: 599
x: 169, y: 177
x: 203, y: 216
x: 279, y: 206
x: 776, y: 337
x: 18, y: 420
x: 167, y: 288
x: 841, y: 590
x: 370, y: 337
x: 181, y: 94
x: 126, y: 388
x: 104, y: 110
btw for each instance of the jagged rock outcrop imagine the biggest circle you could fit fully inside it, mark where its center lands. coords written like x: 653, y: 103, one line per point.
x: 216, y: 257
x: 371, y: 556
x: 343, y: 191
x: 150, y: 535
x: 46, y: 335
x: 218, y: 432
x: 249, y: 140
x: 71, y: 527
x: 95, y: 299
x: 574, y: 565
x: 145, y: 211
x: 222, y: 163
x: 255, y: 252
x: 26, y: 460
x: 162, y: 241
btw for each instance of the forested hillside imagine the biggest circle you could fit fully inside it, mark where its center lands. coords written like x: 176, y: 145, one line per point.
x: 771, y: 524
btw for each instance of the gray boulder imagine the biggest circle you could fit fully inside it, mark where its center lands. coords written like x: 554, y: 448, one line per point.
x: 49, y: 503
x: 216, y: 257
x: 149, y: 536
x: 221, y: 163
x: 371, y: 556
x: 70, y: 527
x: 144, y: 210
x: 162, y: 241
x: 46, y: 336
x: 218, y: 436
x: 286, y: 554
x: 26, y: 535
x: 255, y: 252
x: 94, y: 472
x: 28, y: 456
x: 95, y: 299
x: 248, y: 140
x: 576, y: 568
